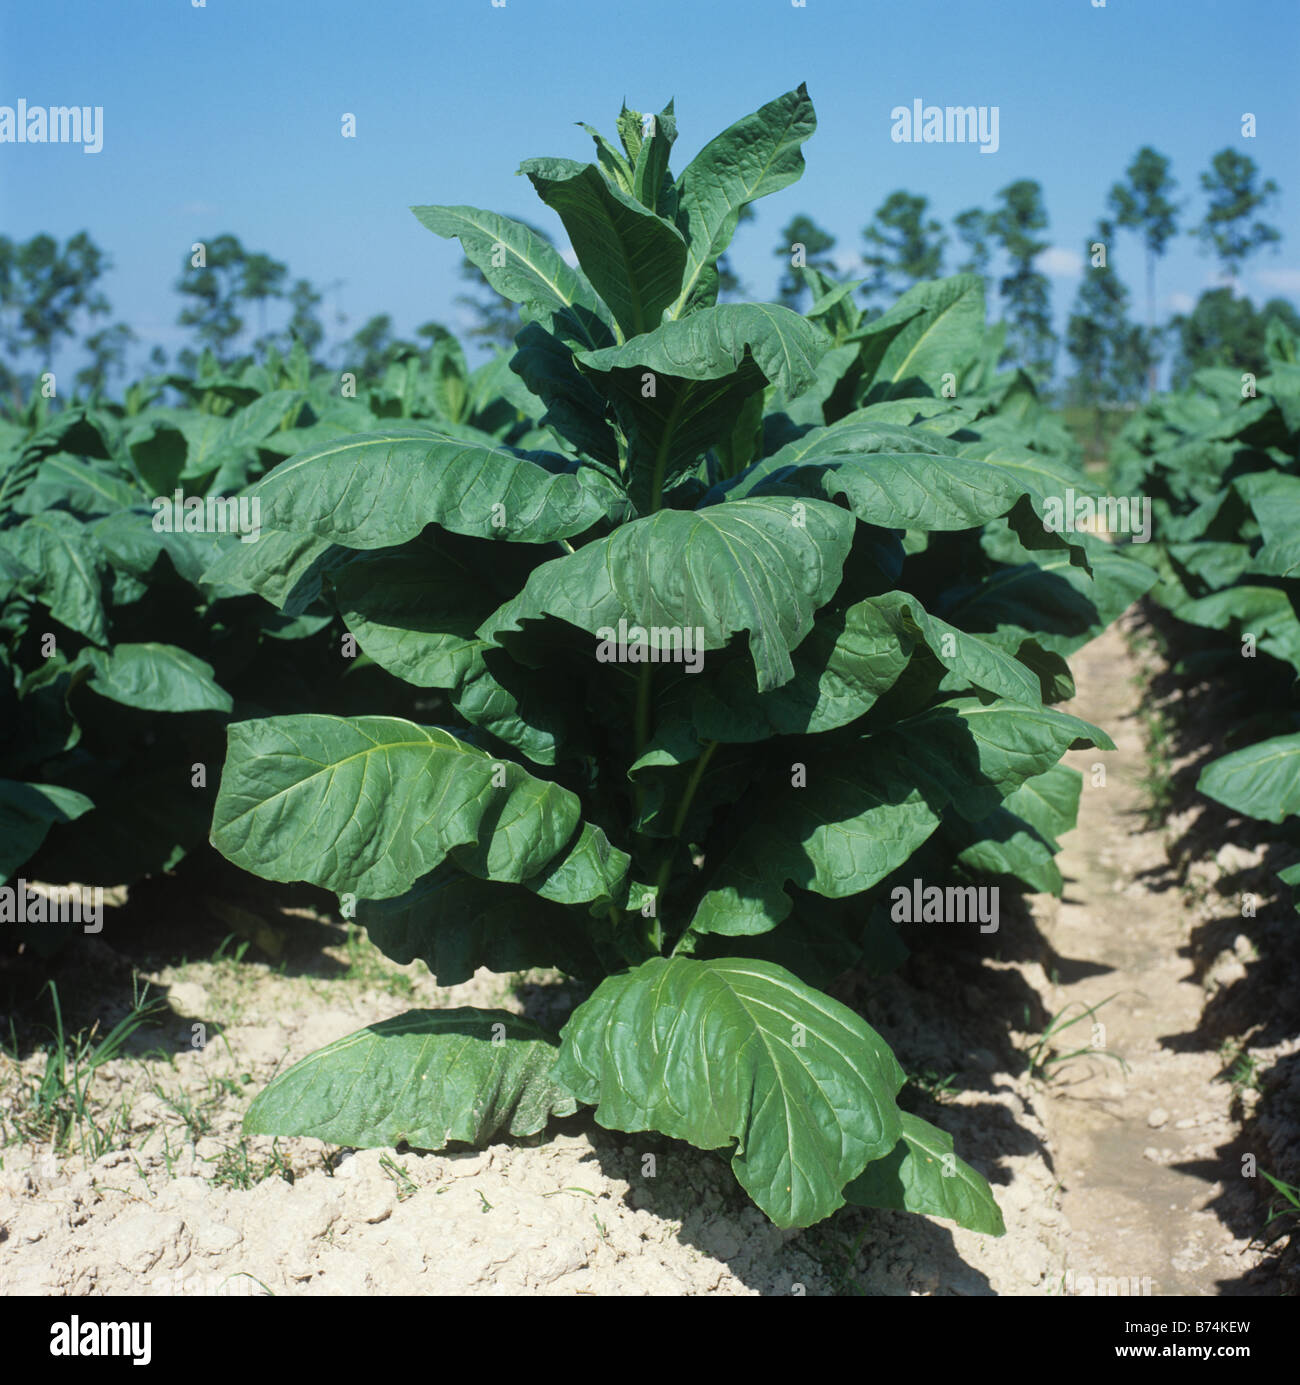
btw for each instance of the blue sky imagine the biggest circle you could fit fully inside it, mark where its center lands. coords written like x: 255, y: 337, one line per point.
x: 226, y: 117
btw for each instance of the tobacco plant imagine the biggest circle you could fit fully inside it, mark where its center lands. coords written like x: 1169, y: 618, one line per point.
x: 1220, y: 464
x: 763, y: 618
x: 124, y: 649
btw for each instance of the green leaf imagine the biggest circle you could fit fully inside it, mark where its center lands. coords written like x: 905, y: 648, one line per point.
x: 426, y: 1078
x: 1049, y: 599
x: 616, y: 167
x: 843, y: 818
x: 874, y: 338
x: 753, y: 565
x: 522, y: 267
x: 1265, y: 612
x: 593, y: 871
x: 974, y: 755
x: 415, y: 613
x: 1049, y: 802
x: 69, y: 570
x: 27, y: 812
x: 972, y: 662
x: 713, y: 343
x: 532, y: 710
x: 922, y: 1174
x: 1003, y: 844
x: 455, y: 923
x: 1262, y: 781
x: 923, y: 487
x: 544, y: 362
x: 756, y: 156
x: 283, y: 568
x: 368, y: 805
x: 739, y: 1051
x: 633, y: 257
x: 860, y: 809
x: 67, y: 482
x: 651, y: 182
x: 377, y: 490
x: 158, y: 450
x: 681, y: 388
x: 941, y: 339
x: 156, y: 677
x: 17, y: 473
x: 848, y: 660
x: 1291, y: 876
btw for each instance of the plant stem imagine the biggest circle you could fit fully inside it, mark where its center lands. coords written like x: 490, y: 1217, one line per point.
x: 644, y: 696
x: 679, y: 819
x: 661, y: 456
x: 692, y: 784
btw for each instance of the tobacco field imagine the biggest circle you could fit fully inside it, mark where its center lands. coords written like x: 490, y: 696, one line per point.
x: 626, y: 815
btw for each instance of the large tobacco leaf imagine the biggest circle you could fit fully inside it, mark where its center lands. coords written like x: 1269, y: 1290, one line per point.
x: 522, y: 267
x: 761, y: 566
x: 379, y: 490
x: 387, y: 800
x: 633, y: 257
x: 1261, y: 780
x: 738, y: 1051
x: 758, y: 155
x: 428, y: 1078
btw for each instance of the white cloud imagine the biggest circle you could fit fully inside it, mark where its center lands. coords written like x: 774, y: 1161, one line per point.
x: 1059, y: 263
x: 1181, y: 302
x: 1282, y: 280
x: 570, y: 256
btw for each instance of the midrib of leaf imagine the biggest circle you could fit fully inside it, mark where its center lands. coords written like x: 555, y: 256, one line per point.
x: 925, y: 334
x: 1253, y: 764
x: 334, y: 766
x: 780, y: 336
x: 90, y: 478
x: 72, y: 554
x: 546, y: 279
x: 776, y: 1068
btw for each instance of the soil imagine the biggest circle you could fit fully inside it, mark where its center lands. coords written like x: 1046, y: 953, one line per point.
x: 1111, y: 1178
x: 1148, y: 1143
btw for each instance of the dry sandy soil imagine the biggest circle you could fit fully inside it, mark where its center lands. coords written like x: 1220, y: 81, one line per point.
x: 1111, y: 1176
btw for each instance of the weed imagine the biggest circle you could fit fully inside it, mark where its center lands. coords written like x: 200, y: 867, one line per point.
x: 1045, y: 1063
x: 1289, y: 1207
x: 237, y: 1169
x: 58, y: 1106
x: 406, y: 1185
x: 1240, y: 1068
x: 933, y: 1085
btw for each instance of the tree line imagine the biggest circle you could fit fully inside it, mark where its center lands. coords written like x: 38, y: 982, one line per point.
x: 1114, y: 358
x: 50, y: 294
